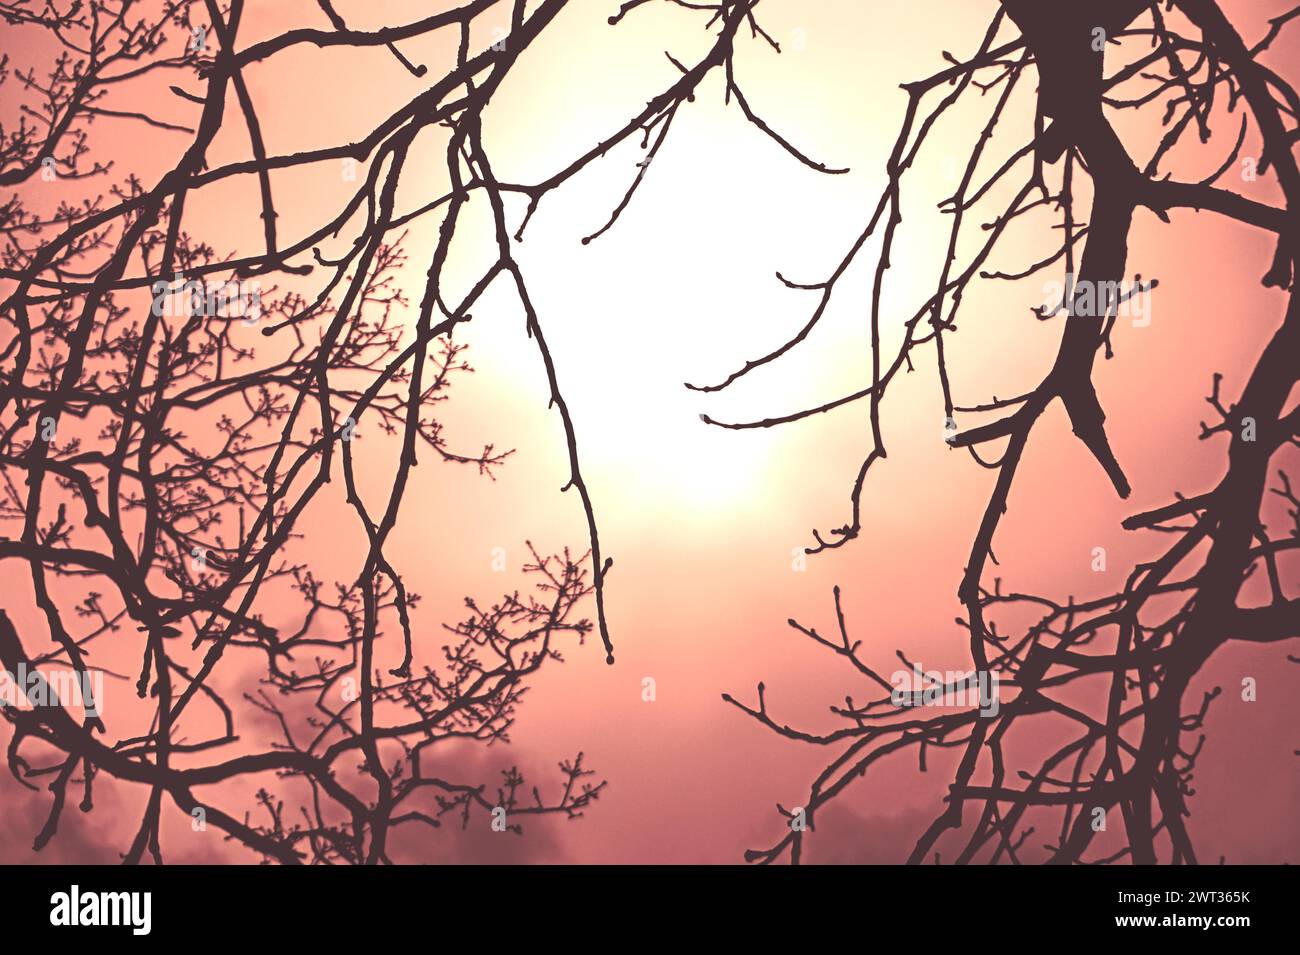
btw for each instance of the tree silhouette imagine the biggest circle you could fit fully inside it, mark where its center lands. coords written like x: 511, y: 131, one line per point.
x: 1126, y: 749
x: 162, y: 468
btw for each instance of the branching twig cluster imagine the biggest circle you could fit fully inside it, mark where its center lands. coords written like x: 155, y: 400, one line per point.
x: 157, y: 467
x: 1134, y: 652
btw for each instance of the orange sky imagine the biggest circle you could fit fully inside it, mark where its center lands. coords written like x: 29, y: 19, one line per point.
x: 702, y: 523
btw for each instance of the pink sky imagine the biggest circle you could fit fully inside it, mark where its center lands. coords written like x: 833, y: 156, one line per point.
x: 703, y: 523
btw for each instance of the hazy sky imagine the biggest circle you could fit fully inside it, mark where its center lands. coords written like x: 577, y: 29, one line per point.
x: 704, y: 524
